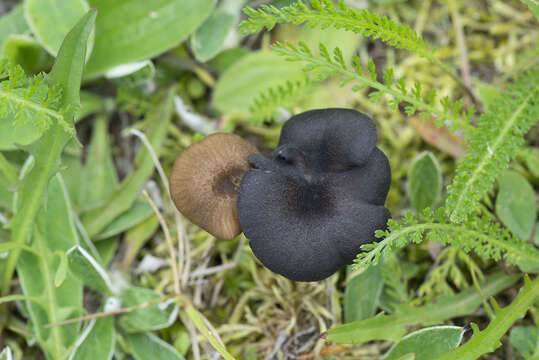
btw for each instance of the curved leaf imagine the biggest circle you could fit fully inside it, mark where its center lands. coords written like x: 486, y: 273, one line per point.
x: 134, y: 30
x: 51, y: 20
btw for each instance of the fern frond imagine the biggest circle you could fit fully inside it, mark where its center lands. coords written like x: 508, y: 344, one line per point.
x: 29, y: 99
x: 498, y: 137
x: 266, y: 106
x: 446, y: 112
x: 485, y: 237
x: 325, y: 14
x: 488, y: 340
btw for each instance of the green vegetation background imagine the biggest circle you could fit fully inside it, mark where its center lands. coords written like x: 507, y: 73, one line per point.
x: 89, y: 231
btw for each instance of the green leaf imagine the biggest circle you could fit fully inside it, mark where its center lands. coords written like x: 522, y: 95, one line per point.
x: 208, y: 39
x: 132, y: 74
x: 25, y: 51
x: 140, y: 211
x: 515, y: 204
x: 498, y: 137
x: 100, y: 179
x: 254, y: 73
x: 534, y: 7
x: 121, y: 200
x: 87, y: 269
x: 97, y: 340
x: 227, y: 58
x: 107, y: 249
x: 393, y: 327
x: 53, y: 231
x: 148, y: 346
x: 362, y: 293
x: 153, y: 317
x: 12, y: 23
x: 488, y: 340
x: 66, y: 74
x: 61, y: 272
x: 525, y: 339
x: 51, y: 20
x: 531, y: 159
x: 136, y: 237
x: 134, y: 30
x: 427, y: 343
x: 424, y: 181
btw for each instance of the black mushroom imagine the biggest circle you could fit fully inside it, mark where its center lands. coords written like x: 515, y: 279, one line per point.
x: 320, y: 196
x: 205, y: 179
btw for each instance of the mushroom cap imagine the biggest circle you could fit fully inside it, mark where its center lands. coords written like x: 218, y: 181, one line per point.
x: 205, y: 180
x: 309, y: 207
x: 333, y: 139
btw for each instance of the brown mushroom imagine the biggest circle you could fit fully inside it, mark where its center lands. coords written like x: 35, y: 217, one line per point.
x: 205, y: 180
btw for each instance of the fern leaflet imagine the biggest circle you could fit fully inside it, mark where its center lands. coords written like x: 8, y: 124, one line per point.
x: 328, y: 65
x: 498, y: 137
x: 266, y: 105
x: 486, y: 238
x: 29, y: 99
x: 325, y: 14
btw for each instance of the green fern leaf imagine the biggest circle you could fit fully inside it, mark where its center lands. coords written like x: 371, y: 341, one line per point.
x: 29, y: 99
x: 498, y: 137
x: 325, y: 65
x: 325, y: 14
x: 485, y: 237
x: 266, y: 106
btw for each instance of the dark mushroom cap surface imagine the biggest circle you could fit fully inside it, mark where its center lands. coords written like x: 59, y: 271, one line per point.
x: 309, y: 207
x: 205, y: 180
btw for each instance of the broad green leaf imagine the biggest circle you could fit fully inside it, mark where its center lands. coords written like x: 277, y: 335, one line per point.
x: 140, y: 211
x: 531, y: 159
x: 87, y: 269
x: 61, y: 271
x: 97, y: 341
x: 121, y: 200
x: 362, y: 293
x: 427, y: 343
x: 134, y: 30
x: 90, y: 103
x: 51, y: 20
x: 71, y: 173
x: 254, y: 73
x: 515, y: 204
x: 424, y: 181
x: 208, y: 39
x: 132, y: 74
x: 227, y: 58
x: 8, y: 179
x: 100, y: 179
x: 153, y: 317
x: 107, y: 249
x: 6, y: 354
x: 25, y: 51
x: 526, y: 340
x: 66, y: 74
x: 393, y: 327
x: 148, y: 346
x: 136, y: 237
x: 53, y: 231
x: 12, y: 23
